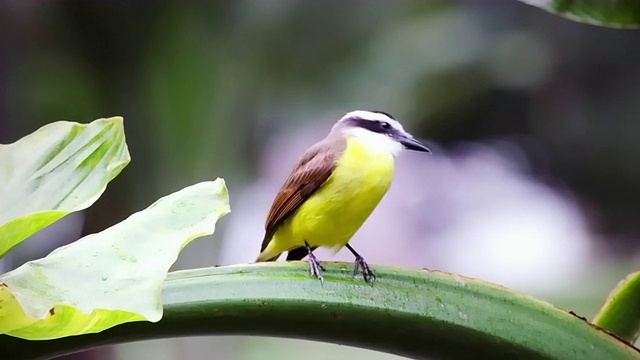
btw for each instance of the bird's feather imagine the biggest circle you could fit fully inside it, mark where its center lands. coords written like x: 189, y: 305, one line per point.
x: 312, y: 170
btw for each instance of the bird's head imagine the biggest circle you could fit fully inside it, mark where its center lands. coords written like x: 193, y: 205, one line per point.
x: 379, y: 130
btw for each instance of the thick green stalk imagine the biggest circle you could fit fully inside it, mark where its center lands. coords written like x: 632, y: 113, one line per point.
x: 415, y: 313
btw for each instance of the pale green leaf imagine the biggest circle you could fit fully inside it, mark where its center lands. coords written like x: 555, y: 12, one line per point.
x: 111, y: 277
x: 620, y: 314
x: 60, y: 168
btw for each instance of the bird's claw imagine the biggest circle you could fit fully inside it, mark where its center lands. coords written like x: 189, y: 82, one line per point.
x: 367, y: 273
x: 316, y: 268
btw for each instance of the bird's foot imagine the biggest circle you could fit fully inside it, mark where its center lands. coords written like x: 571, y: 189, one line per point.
x: 367, y: 273
x: 316, y: 268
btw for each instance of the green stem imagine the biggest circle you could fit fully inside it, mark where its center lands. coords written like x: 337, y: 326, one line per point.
x: 407, y: 312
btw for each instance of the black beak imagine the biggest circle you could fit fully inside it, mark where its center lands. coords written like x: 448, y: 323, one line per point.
x: 412, y: 144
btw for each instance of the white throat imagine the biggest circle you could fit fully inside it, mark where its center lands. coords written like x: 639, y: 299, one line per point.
x: 375, y: 142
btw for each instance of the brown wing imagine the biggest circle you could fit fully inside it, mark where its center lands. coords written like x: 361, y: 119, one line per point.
x: 313, y: 169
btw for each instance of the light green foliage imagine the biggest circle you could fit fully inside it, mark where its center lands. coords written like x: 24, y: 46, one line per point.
x: 60, y: 168
x: 611, y: 13
x: 103, y: 279
x: 111, y: 277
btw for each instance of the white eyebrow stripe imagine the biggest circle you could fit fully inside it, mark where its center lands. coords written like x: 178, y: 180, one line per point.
x: 368, y: 115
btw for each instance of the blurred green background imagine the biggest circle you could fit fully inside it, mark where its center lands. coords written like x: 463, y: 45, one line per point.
x: 533, y: 118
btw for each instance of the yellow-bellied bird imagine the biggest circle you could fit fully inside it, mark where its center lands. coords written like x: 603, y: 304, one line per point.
x: 334, y: 187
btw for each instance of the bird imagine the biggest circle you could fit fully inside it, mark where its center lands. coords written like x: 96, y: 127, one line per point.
x: 334, y: 187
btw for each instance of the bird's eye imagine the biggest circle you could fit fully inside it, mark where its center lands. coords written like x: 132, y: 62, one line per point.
x: 385, y: 125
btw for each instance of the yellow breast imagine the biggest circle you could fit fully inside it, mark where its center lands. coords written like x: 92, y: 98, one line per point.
x: 332, y: 215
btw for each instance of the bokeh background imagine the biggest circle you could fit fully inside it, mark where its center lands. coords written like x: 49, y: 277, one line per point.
x: 533, y: 182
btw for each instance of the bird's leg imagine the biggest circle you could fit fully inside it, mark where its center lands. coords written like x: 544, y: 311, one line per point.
x: 368, y: 275
x: 315, y: 266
